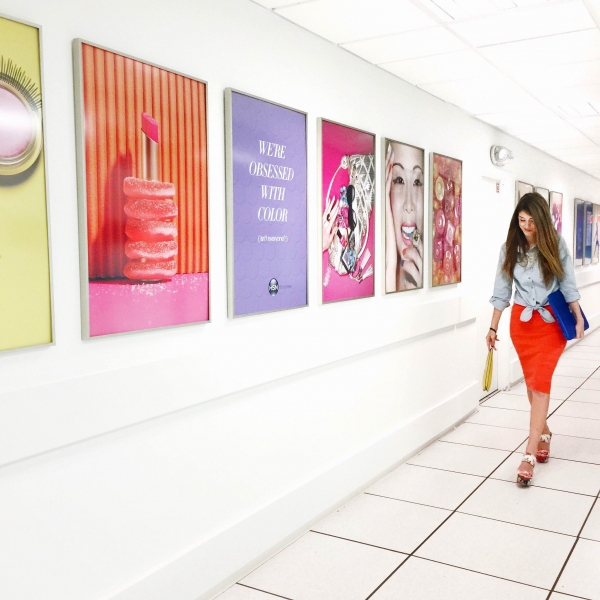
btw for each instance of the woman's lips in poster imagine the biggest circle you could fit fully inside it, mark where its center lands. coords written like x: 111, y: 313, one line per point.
x: 408, y: 230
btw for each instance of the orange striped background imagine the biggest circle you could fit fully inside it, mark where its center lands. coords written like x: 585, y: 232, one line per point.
x: 116, y: 91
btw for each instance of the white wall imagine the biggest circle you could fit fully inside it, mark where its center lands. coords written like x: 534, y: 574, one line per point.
x: 164, y: 464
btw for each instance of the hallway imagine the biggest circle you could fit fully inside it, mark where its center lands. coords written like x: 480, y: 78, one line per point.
x: 450, y: 523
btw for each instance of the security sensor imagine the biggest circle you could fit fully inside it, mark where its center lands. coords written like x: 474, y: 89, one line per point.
x: 500, y: 155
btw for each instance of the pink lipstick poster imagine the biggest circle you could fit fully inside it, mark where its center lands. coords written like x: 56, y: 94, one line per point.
x: 143, y: 194
x: 404, y: 216
x: 446, y: 228
x: 347, y: 212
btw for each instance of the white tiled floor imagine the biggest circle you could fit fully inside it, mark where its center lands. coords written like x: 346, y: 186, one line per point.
x: 450, y: 523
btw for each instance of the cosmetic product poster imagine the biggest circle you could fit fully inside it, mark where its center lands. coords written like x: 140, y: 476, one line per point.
x: 579, y: 231
x: 404, y: 216
x: 556, y: 202
x: 25, y: 296
x: 267, y: 205
x: 522, y: 189
x: 544, y: 193
x: 348, y: 221
x: 446, y: 227
x: 596, y: 235
x: 589, y: 214
x: 143, y: 194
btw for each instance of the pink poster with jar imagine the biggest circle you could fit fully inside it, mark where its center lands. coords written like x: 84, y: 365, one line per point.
x: 347, y: 205
x: 446, y: 187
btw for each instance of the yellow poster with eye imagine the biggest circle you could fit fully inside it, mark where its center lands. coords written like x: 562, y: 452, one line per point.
x: 25, y: 306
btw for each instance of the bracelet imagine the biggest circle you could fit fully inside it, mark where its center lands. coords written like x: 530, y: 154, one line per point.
x: 493, y: 330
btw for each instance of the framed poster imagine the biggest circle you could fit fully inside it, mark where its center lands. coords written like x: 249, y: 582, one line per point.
x: 522, y: 189
x: 446, y: 220
x: 348, y: 206
x: 404, y: 178
x: 25, y: 282
x: 266, y: 205
x: 556, y: 202
x: 589, y: 217
x: 544, y: 193
x: 579, y: 232
x: 596, y: 235
x: 143, y: 193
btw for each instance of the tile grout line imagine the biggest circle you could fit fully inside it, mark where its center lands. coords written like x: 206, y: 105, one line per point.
x: 434, y: 531
x: 573, y: 547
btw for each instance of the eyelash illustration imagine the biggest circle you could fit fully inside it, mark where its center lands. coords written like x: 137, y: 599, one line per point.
x: 21, y: 114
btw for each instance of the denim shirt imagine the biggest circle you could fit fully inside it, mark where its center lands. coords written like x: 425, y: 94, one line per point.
x: 530, y: 289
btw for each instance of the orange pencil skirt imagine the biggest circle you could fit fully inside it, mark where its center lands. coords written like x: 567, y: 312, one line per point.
x: 539, y: 346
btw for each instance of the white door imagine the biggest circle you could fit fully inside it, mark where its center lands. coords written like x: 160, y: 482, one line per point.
x: 497, y: 198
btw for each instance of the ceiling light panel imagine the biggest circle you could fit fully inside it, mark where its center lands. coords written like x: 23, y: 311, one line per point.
x: 511, y: 26
x: 483, y: 95
x: 351, y: 20
x: 553, y: 50
x: 403, y: 46
x: 464, y: 64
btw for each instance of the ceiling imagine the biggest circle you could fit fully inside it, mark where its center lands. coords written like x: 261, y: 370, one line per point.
x: 528, y: 67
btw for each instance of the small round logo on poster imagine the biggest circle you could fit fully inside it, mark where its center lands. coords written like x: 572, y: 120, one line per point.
x: 273, y: 287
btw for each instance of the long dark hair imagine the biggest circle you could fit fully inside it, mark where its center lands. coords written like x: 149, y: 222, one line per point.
x: 547, y: 239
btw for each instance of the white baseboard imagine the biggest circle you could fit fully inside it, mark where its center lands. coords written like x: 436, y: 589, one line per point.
x: 210, y: 566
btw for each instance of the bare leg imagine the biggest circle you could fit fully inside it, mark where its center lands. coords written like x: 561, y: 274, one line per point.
x: 537, y: 423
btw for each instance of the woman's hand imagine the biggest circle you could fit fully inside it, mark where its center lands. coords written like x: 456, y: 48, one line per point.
x: 491, y: 338
x: 330, y: 225
x: 412, y: 267
x: 579, y: 329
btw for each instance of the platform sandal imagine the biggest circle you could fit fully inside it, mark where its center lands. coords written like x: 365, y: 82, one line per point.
x: 542, y: 456
x: 524, y: 477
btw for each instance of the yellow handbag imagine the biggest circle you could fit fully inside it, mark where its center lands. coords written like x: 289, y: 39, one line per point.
x: 487, y: 372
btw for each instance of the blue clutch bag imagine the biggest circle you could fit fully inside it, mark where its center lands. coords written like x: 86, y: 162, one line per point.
x: 564, y: 316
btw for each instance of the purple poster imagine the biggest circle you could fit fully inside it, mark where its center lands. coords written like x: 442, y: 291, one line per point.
x: 267, y: 202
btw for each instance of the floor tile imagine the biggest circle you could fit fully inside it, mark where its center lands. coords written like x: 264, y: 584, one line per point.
x: 568, y: 382
x: 499, y: 549
x: 557, y: 474
x: 591, y: 384
x: 442, y: 489
x: 320, y: 567
x: 514, y: 402
x: 575, y: 372
x: 520, y: 389
x: 382, y: 522
x: 420, y: 579
x: 240, y: 592
x: 573, y: 448
x: 591, y: 531
x: 460, y: 458
x: 590, y: 340
x: 580, y: 577
x: 583, y: 428
x: 562, y: 512
x: 580, y: 348
x: 486, y: 436
x: 583, y: 410
x: 499, y: 417
x: 579, y: 361
x: 595, y: 374
x: 580, y: 395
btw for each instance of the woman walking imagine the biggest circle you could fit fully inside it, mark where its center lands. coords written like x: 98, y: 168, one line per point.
x: 536, y: 259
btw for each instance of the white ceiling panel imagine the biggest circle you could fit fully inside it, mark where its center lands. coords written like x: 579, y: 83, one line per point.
x: 573, y: 96
x: 511, y: 26
x: 483, y: 95
x: 351, y: 20
x: 558, y: 76
x: 552, y: 50
x: 402, y: 46
x: 279, y: 3
x: 520, y: 121
x: 580, y: 143
x: 550, y: 135
x: 585, y: 123
x: 464, y: 64
x: 572, y: 153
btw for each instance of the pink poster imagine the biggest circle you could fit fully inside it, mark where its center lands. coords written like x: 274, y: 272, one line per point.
x: 348, y: 202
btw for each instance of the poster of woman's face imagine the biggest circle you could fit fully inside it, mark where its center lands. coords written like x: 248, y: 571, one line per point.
x: 556, y: 202
x: 404, y: 216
